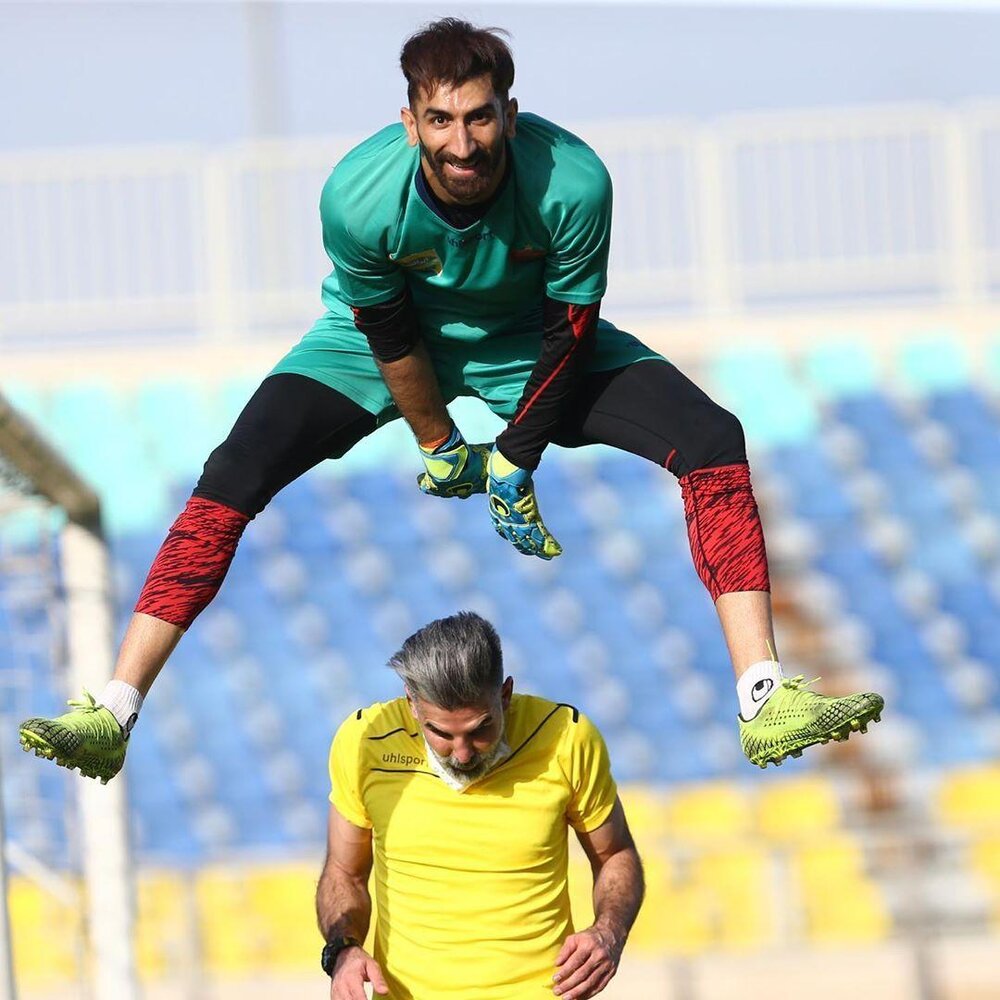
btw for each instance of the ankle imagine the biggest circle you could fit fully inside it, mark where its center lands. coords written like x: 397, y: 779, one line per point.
x: 123, y: 701
x: 756, y: 685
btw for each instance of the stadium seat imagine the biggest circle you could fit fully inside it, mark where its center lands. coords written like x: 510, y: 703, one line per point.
x: 738, y: 879
x: 856, y: 913
x: 932, y: 364
x: 984, y: 861
x: 282, y: 899
x: 645, y: 808
x: 31, y: 401
x: 233, y: 936
x: 46, y: 934
x: 969, y: 798
x: 841, y: 904
x: 785, y: 413
x: 177, y: 426
x: 792, y: 810
x: 841, y: 369
x: 166, y: 937
x: 710, y: 813
x: 991, y: 368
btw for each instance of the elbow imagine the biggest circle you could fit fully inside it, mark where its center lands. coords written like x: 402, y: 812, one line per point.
x: 387, y: 353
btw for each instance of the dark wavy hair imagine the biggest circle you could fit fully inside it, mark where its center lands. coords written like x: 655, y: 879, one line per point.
x: 452, y: 51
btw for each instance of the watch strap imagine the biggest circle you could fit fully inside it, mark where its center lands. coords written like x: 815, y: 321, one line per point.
x: 333, y: 948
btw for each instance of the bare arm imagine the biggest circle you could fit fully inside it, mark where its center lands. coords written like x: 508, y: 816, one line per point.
x: 343, y: 904
x: 618, y: 880
x: 344, y: 907
x: 393, y: 334
x: 414, y: 387
x: 589, y: 959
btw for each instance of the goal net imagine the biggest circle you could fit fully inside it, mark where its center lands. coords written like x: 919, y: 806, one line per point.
x: 65, y: 874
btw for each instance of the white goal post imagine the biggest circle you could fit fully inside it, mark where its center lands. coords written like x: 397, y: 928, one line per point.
x: 86, y: 580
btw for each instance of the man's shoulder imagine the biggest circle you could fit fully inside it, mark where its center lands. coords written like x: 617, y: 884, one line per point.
x: 387, y: 146
x: 372, y: 179
x: 560, y: 164
x: 533, y: 718
x: 367, y: 728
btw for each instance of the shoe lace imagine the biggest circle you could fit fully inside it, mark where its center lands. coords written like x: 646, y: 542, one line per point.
x: 798, y: 683
x: 85, y: 704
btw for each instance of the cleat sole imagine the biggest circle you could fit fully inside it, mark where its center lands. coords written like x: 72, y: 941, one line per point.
x: 31, y: 741
x: 841, y: 734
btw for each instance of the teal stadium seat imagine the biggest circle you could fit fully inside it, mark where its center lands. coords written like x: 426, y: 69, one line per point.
x: 178, y: 426
x: 931, y: 365
x: 231, y: 396
x: 28, y: 401
x: 841, y: 369
x: 993, y: 363
x: 760, y: 387
x: 94, y: 426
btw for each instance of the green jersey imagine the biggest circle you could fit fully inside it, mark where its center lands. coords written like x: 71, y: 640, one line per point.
x: 478, y: 292
x: 547, y: 233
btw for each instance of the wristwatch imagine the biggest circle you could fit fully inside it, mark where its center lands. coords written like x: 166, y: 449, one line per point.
x: 333, y: 948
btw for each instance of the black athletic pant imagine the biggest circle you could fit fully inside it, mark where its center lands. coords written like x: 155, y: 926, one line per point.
x: 293, y: 422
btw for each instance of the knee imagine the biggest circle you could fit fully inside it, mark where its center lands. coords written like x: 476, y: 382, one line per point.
x: 235, y: 476
x: 719, y: 440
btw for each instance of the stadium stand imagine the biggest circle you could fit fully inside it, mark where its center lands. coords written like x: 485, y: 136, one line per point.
x: 891, y: 489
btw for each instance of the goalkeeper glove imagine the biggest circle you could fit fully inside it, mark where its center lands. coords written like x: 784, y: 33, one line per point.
x: 454, y: 469
x: 514, y: 509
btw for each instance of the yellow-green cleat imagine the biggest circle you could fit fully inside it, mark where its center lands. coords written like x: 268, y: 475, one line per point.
x: 794, y: 718
x: 88, y: 738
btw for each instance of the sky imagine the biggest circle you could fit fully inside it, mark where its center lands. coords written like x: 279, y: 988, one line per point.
x: 81, y: 73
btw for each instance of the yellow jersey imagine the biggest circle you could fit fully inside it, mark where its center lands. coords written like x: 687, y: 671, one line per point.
x: 470, y: 886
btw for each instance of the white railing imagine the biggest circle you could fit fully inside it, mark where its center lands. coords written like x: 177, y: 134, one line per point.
x: 754, y: 211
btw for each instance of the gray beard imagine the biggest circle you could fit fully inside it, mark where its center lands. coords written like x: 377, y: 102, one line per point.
x: 461, y: 780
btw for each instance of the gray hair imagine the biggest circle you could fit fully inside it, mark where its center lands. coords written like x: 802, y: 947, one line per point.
x: 454, y: 662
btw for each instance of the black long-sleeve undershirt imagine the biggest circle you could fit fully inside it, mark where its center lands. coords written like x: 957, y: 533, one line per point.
x: 391, y: 328
x: 568, y: 333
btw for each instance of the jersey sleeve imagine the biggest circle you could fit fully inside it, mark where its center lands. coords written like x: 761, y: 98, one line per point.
x: 345, y: 773
x: 592, y: 788
x: 576, y: 269
x: 365, y: 275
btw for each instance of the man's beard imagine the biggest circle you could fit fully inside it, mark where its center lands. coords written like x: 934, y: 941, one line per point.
x: 466, y: 190
x: 459, y: 776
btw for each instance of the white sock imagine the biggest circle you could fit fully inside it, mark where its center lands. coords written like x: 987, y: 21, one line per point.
x: 123, y: 701
x: 755, y: 685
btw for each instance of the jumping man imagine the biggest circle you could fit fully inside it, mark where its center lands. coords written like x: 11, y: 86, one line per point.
x: 470, y: 249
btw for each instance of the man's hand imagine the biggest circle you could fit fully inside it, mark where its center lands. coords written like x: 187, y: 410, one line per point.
x: 354, y: 968
x: 587, y: 963
x: 454, y: 469
x: 514, y: 509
